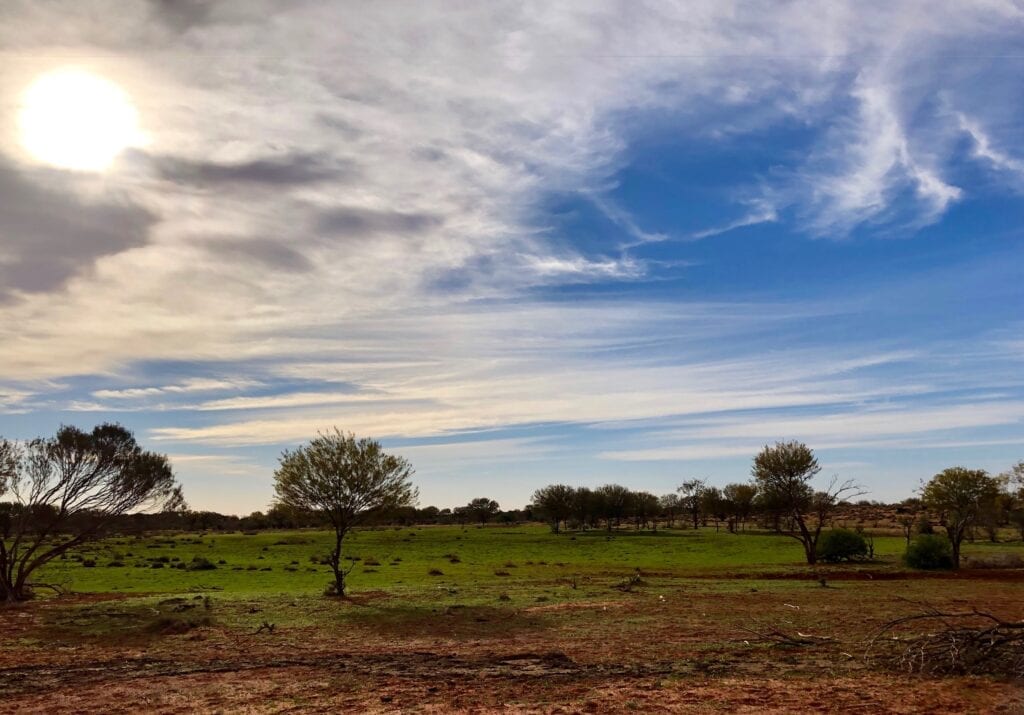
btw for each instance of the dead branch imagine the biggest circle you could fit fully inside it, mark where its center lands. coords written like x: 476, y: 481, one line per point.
x: 955, y: 642
x: 779, y: 638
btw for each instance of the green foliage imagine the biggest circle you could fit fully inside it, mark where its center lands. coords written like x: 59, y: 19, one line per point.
x: 343, y: 479
x: 929, y: 551
x: 482, y: 509
x: 783, y: 474
x: 74, y: 483
x: 842, y: 545
x: 201, y: 563
x: 555, y: 502
x: 962, y: 497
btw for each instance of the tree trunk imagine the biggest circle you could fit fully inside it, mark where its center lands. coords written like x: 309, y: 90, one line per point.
x: 955, y: 539
x: 339, y: 574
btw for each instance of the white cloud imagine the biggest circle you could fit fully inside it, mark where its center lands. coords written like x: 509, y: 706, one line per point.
x: 983, y: 148
x: 184, y: 387
x: 410, y: 151
x: 869, y: 159
x: 356, y: 198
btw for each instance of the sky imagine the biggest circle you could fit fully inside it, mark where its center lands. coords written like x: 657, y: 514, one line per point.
x: 520, y: 243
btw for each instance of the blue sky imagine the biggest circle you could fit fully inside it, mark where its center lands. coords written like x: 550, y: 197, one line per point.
x: 522, y: 244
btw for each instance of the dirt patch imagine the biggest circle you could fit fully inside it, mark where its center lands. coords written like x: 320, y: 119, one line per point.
x: 661, y: 649
x: 312, y: 689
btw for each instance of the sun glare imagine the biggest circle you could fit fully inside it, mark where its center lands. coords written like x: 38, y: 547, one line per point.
x: 73, y: 119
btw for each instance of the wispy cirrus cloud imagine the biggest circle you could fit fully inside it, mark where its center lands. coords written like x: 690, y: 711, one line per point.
x: 343, y: 216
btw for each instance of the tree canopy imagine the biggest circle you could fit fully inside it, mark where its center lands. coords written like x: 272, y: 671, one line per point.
x: 72, y: 485
x: 343, y: 478
x: 960, y: 497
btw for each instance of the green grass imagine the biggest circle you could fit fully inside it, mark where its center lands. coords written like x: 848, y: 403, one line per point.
x: 485, y: 560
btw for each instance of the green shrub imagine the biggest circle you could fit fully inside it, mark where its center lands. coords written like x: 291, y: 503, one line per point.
x: 929, y: 551
x: 842, y: 545
x: 201, y: 563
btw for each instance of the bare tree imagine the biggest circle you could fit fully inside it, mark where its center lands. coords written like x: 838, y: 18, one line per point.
x: 343, y: 479
x: 66, y: 490
x: 783, y: 474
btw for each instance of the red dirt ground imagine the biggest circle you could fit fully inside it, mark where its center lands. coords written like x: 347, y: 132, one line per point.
x: 678, y: 650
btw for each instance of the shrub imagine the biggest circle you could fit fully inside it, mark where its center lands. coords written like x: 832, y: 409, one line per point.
x: 435, y: 572
x: 929, y: 551
x: 116, y: 564
x: 89, y: 563
x: 201, y: 563
x: 842, y: 545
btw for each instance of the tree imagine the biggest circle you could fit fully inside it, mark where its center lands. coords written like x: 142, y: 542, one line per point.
x: 67, y: 490
x: 669, y: 504
x: 960, y: 497
x: 740, y: 501
x: 343, y: 479
x: 690, y: 494
x: 645, y: 508
x: 906, y: 522
x: 555, y: 502
x: 783, y: 474
x: 1015, y: 478
x: 713, y: 505
x: 1014, y: 481
x: 584, y: 507
x: 482, y: 509
x: 613, y: 500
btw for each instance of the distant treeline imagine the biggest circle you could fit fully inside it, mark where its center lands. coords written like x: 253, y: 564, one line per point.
x: 276, y: 517
x: 591, y: 511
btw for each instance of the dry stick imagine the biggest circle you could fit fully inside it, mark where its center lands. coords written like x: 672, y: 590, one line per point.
x: 959, y: 647
x: 780, y: 638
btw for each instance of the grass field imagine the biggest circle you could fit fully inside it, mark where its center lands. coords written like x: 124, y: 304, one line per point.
x: 402, y: 559
x: 477, y: 618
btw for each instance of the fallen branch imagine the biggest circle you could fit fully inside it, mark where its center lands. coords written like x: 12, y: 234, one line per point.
x: 780, y: 638
x: 266, y: 626
x: 957, y: 642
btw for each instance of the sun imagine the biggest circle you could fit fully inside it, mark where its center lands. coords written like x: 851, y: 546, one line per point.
x: 74, y: 119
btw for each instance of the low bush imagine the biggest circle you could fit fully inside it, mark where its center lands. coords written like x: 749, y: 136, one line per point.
x: 929, y: 551
x: 842, y: 545
x: 201, y: 563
